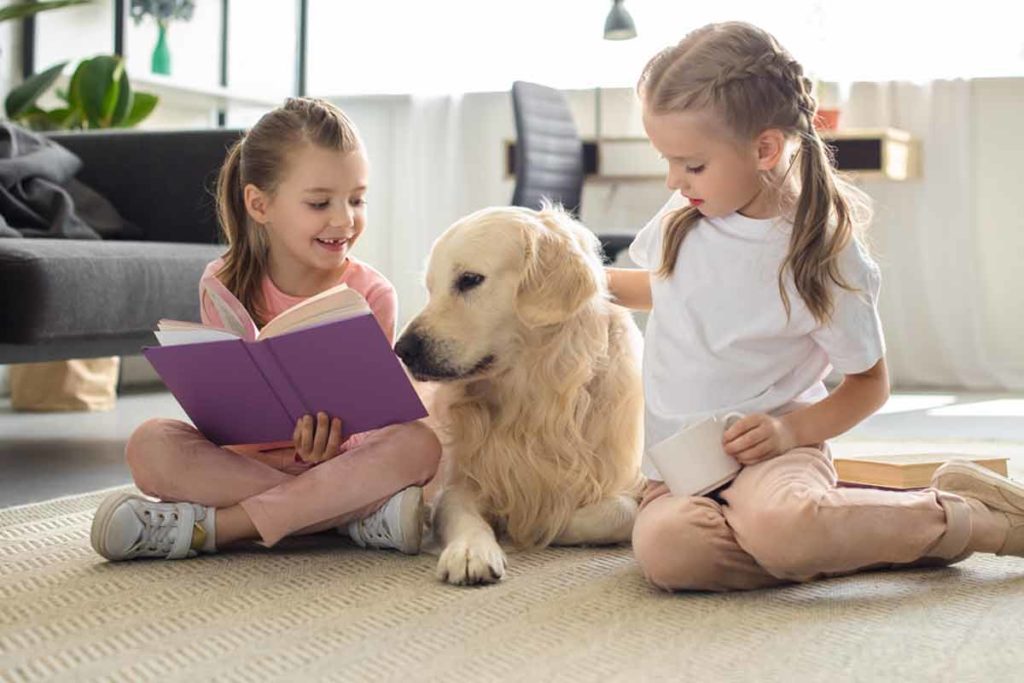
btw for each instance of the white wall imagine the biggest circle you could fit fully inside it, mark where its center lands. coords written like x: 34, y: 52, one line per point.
x: 10, y: 59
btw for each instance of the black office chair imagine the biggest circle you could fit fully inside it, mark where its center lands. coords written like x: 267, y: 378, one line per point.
x: 549, y: 156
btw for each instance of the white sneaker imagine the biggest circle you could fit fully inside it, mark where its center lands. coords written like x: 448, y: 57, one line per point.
x: 127, y: 527
x: 397, y: 524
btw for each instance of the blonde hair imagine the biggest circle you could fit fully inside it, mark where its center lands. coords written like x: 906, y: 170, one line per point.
x: 742, y: 76
x: 259, y: 158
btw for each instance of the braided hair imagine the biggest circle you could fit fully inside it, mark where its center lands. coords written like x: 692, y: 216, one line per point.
x: 741, y: 75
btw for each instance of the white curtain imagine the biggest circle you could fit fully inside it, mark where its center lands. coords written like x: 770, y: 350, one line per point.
x: 935, y: 292
x: 418, y: 167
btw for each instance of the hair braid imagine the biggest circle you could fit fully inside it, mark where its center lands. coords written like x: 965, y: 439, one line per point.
x: 743, y: 76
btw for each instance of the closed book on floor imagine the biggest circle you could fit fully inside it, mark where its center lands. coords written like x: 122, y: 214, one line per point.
x: 326, y: 354
x: 906, y: 470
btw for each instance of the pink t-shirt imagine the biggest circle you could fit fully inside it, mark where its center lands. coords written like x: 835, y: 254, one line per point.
x: 375, y: 288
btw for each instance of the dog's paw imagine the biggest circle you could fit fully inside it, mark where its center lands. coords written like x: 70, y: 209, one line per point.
x: 467, y: 562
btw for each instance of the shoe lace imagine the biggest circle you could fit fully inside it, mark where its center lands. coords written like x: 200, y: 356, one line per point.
x: 159, y: 531
x: 375, y: 528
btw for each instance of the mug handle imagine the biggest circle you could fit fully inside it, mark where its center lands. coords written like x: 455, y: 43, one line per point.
x: 732, y: 418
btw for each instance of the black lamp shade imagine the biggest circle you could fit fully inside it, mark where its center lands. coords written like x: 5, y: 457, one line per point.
x: 619, y: 25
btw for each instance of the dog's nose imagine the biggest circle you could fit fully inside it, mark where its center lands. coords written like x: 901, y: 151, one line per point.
x: 409, y: 348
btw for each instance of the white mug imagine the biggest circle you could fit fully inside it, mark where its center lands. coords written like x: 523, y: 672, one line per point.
x: 692, y: 461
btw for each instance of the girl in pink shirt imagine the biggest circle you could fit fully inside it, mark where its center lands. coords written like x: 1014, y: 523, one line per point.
x: 291, y: 202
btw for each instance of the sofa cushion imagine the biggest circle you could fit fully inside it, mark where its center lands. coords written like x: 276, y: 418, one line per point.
x: 51, y: 289
x: 162, y: 181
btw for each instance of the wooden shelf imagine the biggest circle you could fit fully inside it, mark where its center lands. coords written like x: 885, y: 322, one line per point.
x: 209, y: 95
x: 874, y: 153
x: 868, y: 153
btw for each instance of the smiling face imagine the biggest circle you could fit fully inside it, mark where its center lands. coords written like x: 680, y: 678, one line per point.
x: 313, y: 217
x: 719, y: 174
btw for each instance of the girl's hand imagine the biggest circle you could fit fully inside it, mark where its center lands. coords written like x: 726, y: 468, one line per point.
x: 758, y: 437
x: 319, y: 440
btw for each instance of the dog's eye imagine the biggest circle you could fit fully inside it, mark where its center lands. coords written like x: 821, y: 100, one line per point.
x: 468, y: 281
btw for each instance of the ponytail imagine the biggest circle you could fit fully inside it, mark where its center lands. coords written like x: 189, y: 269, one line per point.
x: 246, y: 260
x: 677, y: 227
x: 822, y: 228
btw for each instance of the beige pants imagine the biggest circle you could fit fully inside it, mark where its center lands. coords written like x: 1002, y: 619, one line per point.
x: 784, y: 520
x: 172, y: 461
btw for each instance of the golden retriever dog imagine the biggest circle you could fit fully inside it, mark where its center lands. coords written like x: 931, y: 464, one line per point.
x: 539, y: 403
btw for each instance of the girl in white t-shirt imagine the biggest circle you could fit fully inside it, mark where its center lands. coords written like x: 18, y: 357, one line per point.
x: 758, y: 285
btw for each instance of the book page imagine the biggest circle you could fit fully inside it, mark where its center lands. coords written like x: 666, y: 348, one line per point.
x: 912, y: 459
x: 231, y: 311
x: 337, y: 303
x: 196, y: 335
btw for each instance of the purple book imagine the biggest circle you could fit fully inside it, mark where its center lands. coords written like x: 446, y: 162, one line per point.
x: 240, y: 392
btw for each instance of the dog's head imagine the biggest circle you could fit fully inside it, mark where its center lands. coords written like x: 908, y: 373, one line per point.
x: 493, y: 277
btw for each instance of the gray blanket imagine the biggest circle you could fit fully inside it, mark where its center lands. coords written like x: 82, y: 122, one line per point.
x: 39, y: 196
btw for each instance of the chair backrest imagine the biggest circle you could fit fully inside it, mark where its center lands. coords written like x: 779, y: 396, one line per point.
x: 549, y: 152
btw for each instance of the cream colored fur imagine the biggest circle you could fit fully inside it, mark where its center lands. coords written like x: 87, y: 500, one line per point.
x: 540, y: 407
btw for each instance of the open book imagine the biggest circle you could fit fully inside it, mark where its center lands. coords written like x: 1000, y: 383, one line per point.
x: 241, y: 385
x: 904, y: 471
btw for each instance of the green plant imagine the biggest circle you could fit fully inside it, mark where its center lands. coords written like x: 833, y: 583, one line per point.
x: 99, y: 95
x: 21, y: 10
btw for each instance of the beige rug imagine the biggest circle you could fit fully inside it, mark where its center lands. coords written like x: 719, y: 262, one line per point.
x: 318, y: 609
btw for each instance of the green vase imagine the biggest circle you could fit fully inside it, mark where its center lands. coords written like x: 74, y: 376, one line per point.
x: 161, y: 54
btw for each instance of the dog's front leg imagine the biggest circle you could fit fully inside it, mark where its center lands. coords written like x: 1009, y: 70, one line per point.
x: 471, y: 552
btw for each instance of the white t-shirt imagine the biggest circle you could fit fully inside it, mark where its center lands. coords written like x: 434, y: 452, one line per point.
x: 717, y: 338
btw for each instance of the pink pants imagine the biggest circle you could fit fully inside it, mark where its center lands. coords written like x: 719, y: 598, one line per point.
x: 784, y: 520
x: 172, y: 461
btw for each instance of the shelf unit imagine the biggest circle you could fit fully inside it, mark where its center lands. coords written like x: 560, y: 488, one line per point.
x: 861, y: 153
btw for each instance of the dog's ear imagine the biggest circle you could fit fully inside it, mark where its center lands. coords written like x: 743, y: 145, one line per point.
x: 559, y: 277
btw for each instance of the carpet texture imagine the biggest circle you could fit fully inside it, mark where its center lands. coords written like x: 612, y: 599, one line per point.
x: 320, y: 609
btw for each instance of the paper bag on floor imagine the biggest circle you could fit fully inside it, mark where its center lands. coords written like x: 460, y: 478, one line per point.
x: 88, y: 384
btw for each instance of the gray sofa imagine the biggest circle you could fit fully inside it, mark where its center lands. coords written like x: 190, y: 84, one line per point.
x: 64, y: 299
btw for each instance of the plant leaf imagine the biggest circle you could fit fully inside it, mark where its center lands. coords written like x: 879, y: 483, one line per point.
x: 21, y: 10
x: 143, y: 105
x: 125, y: 98
x: 98, y: 88
x: 21, y: 98
x: 75, y: 88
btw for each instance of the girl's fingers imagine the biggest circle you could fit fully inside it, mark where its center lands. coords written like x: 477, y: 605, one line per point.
x: 741, y: 427
x: 756, y: 454
x: 307, y: 436
x: 334, y: 442
x: 320, y: 436
x: 746, y: 441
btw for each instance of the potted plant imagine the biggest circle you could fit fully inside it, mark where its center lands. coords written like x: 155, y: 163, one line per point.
x: 163, y: 12
x: 827, y: 116
x: 99, y: 95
